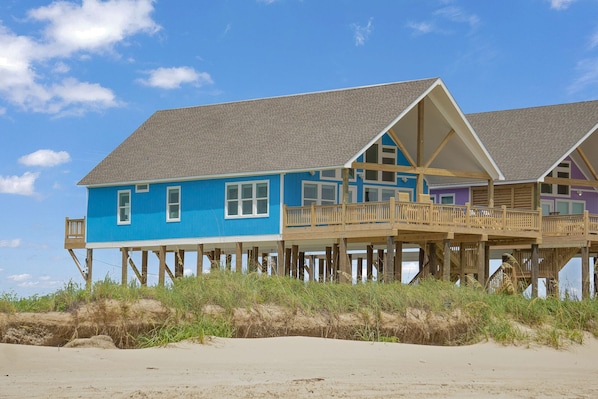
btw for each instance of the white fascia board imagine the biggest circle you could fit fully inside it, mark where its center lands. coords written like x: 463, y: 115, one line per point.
x: 392, y: 123
x: 472, y: 138
x: 183, y: 242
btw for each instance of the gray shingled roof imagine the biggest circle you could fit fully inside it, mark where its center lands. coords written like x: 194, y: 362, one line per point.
x: 526, y: 143
x: 300, y: 132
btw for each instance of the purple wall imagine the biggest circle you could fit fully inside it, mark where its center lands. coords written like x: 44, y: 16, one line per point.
x: 461, y: 194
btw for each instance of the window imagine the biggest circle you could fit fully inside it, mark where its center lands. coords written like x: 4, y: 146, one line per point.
x: 124, y: 207
x: 173, y: 204
x: 248, y: 199
x: 336, y: 174
x: 563, y: 170
x: 446, y: 199
x: 142, y: 188
x: 387, y: 155
x: 319, y: 193
x: 547, y: 207
x: 570, y: 207
x: 378, y: 194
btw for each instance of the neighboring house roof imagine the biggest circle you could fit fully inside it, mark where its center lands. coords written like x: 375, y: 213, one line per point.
x: 529, y: 143
x: 291, y: 133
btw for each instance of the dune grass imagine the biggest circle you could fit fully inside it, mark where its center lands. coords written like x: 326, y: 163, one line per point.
x: 508, y: 319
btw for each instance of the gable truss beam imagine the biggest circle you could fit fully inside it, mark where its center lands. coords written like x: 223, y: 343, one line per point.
x: 585, y: 159
x: 399, y: 144
x: 439, y: 148
x: 422, y: 170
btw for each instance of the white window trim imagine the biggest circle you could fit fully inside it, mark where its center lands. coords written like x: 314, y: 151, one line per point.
x: 168, y: 218
x: 118, y: 207
x: 381, y: 153
x: 142, y: 190
x: 338, y: 176
x: 254, y: 199
x: 380, y: 188
x: 569, y: 203
x: 550, y: 205
x: 319, y: 191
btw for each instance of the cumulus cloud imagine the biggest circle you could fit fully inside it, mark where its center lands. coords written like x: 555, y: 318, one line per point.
x: 20, y: 277
x: 362, y: 33
x: 173, y: 78
x: 560, y: 4
x: 22, y: 185
x: 81, y: 29
x: 15, y: 243
x: 45, y: 158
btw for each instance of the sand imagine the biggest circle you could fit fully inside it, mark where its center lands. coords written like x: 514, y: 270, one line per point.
x: 298, y: 367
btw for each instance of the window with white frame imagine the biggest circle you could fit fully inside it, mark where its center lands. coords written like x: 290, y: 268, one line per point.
x: 319, y: 193
x: 173, y: 204
x: 547, y: 207
x: 381, y: 154
x: 142, y: 188
x: 378, y: 194
x: 247, y: 199
x: 570, y: 207
x: 563, y: 170
x: 336, y: 174
x: 446, y: 199
x: 124, y: 207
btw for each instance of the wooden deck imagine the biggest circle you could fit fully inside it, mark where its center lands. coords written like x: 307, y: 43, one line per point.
x: 390, y: 218
x: 74, y: 233
x: 568, y: 229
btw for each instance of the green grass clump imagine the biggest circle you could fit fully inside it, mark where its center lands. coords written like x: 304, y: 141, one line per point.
x: 508, y: 319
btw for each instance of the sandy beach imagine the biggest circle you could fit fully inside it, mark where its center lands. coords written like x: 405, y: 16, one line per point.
x: 298, y: 367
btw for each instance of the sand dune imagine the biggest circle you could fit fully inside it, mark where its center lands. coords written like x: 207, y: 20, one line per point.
x: 298, y: 367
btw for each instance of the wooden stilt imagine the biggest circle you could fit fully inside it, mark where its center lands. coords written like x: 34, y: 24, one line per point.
x: 124, y: 265
x: 280, y: 258
x: 294, y: 261
x: 328, y: 264
x: 462, y: 261
x: 389, y: 260
x: 370, y: 262
x: 432, y: 260
x: 398, y: 261
x: 179, y: 263
x: 144, y: 258
x: 301, y: 266
x: 335, y: 270
x: 238, y: 257
x: 344, y: 275
x: 535, y: 270
x: 321, y: 265
x: 264, y: 268
x: 162, y: 267
x: 89, y: 265
x: 446, y: 265
x: 216, y: 262
x: 380, y: 268
x: 199, y: 266
x: 288, y: 261
x: 359, y: 269
x: 585, y: 273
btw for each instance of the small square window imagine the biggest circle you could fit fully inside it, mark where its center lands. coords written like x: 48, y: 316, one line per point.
x: 142, y: 188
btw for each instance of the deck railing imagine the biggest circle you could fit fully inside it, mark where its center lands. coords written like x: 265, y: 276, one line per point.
x: 581, y: 225
x: 74, y: 233
x: 479, y: 218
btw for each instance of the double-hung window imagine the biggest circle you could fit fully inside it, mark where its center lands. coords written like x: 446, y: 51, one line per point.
x: 319, y: 193
x: 173, y: 204
x: 247, y: 199
x: 384, y: 154
x: 124, y: 207
x: 563, y: 170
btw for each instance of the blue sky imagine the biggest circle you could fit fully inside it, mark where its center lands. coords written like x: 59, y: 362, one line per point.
x: 77, y: 77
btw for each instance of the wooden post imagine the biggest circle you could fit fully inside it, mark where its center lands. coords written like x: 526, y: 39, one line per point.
x: 585, y: 273
x: 595, y: 277
x: 420, y: 149
x: 125, y: 265
x: 264, y: 269
x: 535, y: 269
x: 280, y: 258
x: 446, y: 266
x: 162, y: 267
x: 462, y: 261
x: 359, y: 269
x: 216, y: 261
x: 144, y: 256
x: 370, y: 262
x: 389, y: 260
x: 255, y: 251
x: 344, y: 264
x: 238, y: 257
x: 301, y: 271
x: 486, y: 262
x: 432, y: 260
x: 380, y: 263
x: 490, y: 193
x: 335, y: 263
x: 199, y: 266
x: 481, y: 264
x: 89, y: 265
x: 295, y: 261
x: 321, y: 265
x: 179, y: 262
x: 398, y: 261
x: 328, y: 264
x: 345, y: 194
x: 287, y: 261
x: 422, y: 258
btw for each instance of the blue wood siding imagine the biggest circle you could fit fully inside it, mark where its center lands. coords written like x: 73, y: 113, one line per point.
x: 202, y: 212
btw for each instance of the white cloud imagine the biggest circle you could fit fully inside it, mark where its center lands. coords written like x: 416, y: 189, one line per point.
x: 71, y: 29
x: 362, y: 33
x: 20, y: 277
x: 421, y: 27
x: 15, y: 243
x: 173, y: 78
x: 267, y: 1
x: 456, y: 14
x: 587, y: 75
x: 560, y: 4
x: 45, y: 158
x: 22, y: 185
x: 188, y: 272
